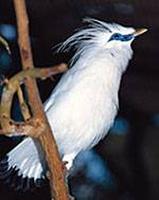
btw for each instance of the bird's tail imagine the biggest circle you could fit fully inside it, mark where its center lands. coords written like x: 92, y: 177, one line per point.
x: 24, y: 166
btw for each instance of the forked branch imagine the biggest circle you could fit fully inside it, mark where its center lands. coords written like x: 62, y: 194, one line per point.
x: 37, y: 122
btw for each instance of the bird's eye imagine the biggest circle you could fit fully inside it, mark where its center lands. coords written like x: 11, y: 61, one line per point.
x: 116, y: 36
x: 123, y: 38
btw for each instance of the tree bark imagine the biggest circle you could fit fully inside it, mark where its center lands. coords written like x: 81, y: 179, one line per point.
x: 58, y: 186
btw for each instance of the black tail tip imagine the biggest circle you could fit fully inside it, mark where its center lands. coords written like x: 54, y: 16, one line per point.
x: 10, y: 176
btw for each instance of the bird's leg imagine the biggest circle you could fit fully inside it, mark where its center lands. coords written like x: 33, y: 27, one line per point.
x: 68, y: 160
x: 65, y: 169
x: 67, y: 164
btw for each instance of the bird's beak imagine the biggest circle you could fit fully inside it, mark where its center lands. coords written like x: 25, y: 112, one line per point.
x: 139, y: 31
x: 5, y: 44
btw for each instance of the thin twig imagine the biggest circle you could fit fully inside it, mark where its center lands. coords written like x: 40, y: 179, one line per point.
x: 5, y: 44
x: 24, y: 108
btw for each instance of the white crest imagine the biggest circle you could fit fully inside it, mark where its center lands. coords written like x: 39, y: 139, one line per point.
x: 95, y: 34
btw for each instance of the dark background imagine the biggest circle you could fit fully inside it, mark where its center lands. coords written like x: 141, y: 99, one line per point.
x: 125, y: 165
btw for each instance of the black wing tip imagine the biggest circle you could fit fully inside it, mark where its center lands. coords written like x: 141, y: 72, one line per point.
x: 4, y: 169
x: 11, y: 177
x: 4, y: 160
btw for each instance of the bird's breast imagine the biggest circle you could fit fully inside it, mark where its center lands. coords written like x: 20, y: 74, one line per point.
x: 82, y: 114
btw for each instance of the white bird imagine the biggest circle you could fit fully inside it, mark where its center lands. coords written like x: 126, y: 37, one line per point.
x: 83, y: 105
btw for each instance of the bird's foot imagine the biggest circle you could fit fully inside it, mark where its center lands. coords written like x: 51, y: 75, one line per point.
x: 65, y: 169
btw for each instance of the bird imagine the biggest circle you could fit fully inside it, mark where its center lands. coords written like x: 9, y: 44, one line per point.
x: 82, y: 107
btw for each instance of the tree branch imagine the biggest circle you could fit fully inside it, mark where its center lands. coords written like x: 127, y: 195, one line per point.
x: 24, y: 108
x: 59, y: 190
x: 12, y: 85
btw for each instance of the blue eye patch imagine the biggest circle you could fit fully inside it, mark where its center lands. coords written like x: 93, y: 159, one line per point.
x: 123, y: 38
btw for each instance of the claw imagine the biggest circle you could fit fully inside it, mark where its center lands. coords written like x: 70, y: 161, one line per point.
x: 64, y: 167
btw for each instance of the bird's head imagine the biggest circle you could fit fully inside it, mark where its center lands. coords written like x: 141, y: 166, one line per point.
x: 110, y: 35
x: 98, y: 35
x: 122, y: 36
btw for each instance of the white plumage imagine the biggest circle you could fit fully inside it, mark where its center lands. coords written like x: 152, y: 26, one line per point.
x: 82, y: 107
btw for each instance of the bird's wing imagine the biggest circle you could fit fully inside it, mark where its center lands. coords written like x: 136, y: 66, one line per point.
x: 66, y: 82
x: 22, y: 167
